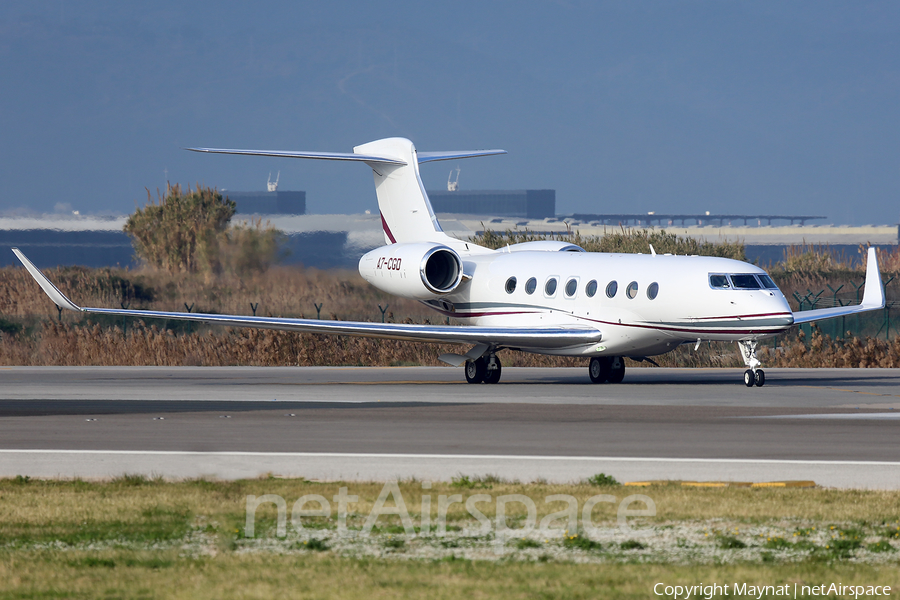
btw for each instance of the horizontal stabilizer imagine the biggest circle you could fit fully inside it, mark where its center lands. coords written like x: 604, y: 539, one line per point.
x: 425, y: 157
x: 382, y: 160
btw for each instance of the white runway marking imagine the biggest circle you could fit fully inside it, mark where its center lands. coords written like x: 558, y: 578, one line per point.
x: 854, y: 416
x: 349, y: 467
x: 638, y: 459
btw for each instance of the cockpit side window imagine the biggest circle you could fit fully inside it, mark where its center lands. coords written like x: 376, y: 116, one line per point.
x: 767, y: 282
x: 719, y: 282
x: 744, y: 281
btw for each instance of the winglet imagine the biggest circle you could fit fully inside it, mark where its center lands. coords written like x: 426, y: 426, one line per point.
x: 873, y: 296
x: 51, y: 290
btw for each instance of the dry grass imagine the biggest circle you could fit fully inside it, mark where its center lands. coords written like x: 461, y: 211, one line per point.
x: 47, y: 507
x: 280, y: 291
x: 821, y: 350
x: 31, y: 334
x: 620, y: 240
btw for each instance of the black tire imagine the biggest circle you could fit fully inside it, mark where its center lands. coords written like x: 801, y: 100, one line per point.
x: 749, y: 378
x: 600, y: 368
x: 476, y: 370
x: 493, y: 375
x: 617, y: 374
x: 760, y: 378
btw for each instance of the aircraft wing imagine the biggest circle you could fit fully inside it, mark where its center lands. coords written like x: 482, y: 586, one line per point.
x: 514, y: 337
x: 873, y: 297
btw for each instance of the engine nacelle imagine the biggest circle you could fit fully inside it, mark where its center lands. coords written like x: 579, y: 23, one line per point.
x: 421, y: 271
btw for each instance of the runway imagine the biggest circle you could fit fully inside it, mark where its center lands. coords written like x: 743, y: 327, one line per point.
x: 838, y: 427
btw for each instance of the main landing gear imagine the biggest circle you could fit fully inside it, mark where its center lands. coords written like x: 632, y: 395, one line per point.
x: 753, y: 375
x: 607, y: 369
x: 483, y: 370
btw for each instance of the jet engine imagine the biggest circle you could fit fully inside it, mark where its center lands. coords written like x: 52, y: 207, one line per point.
x: 421, y: 270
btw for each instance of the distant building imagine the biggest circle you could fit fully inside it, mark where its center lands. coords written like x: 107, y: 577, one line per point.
x: 268, y: 203
x: 532, y: 204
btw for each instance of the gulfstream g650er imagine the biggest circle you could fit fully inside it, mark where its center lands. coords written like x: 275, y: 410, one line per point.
x: 544, y: 297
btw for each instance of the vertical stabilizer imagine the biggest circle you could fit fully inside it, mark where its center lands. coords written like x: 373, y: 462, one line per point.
x: 406, y: 213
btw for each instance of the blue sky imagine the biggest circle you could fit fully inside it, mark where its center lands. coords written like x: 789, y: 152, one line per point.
x: 758, y: 107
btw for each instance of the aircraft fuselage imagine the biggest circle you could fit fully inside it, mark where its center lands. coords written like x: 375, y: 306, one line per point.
x: 643, y: 304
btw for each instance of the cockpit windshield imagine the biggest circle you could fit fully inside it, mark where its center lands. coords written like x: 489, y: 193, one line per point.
x: 767, y: 282
x: 719, y: 282
x: 744, y: 281
x: 741, y: 281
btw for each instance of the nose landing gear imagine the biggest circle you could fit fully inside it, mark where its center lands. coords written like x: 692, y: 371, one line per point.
x: 753, y: 375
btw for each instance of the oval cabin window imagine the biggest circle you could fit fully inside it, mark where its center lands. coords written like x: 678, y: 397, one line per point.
x: 611, y: 289
x: 550, y: 287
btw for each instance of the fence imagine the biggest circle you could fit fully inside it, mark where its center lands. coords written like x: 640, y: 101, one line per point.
x: 875, y: 324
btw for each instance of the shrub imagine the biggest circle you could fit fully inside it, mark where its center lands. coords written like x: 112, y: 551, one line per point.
x: 777, y: 543
x: 394, y: 544
x: 880, y: 547
x: 632, y: 545
x: 602, y: 480
x: 581, y: 542
x: 181, y: 232
x: 627, y: 241
x: 315, y: 544
x: 728, y: 542
x: 250, y: 247
x: 810, y: 258
x: 843, y: 548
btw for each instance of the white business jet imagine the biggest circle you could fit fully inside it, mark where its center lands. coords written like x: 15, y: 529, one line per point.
x: 545, y: 297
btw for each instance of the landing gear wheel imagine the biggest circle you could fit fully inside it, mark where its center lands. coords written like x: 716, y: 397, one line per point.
x: 618, y: 370
x: 493, y: 375
x: 476, y: 370
x: 760, y: 378
x: 749, y: 378
x: 753, y: 375
x: 600, y: 368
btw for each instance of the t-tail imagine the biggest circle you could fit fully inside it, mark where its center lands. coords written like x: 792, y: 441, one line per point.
x: 406, y: 212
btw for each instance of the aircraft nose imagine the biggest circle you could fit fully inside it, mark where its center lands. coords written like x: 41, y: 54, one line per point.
x: 780, y: 305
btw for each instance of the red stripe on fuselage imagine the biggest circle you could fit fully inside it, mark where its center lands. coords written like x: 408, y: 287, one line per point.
x: 775, y: 314
x: 670, y: 329
x: 387, y: 230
